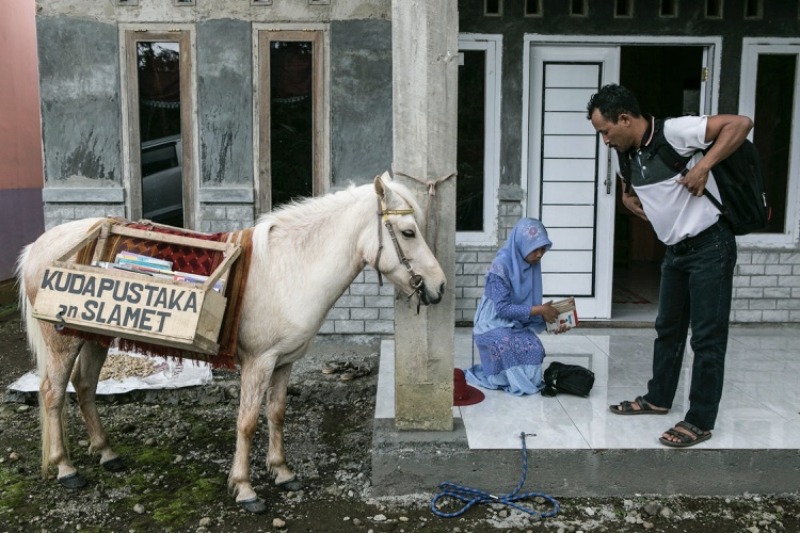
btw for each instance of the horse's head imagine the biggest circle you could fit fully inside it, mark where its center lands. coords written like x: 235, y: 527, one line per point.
x: 403, y: 256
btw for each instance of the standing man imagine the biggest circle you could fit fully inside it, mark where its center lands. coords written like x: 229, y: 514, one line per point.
x: 697, y: 270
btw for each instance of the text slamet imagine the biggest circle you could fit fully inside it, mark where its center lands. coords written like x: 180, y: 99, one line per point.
x: 122, y: 302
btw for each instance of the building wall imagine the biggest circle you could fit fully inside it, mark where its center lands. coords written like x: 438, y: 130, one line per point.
x: 81, y: 117
x: 767, y: 280
x: 20, y: 135
x: 79, y: 46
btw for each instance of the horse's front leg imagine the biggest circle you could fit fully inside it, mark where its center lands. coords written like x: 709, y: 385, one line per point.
x: 84, y: 379
x: 256, y: 373
x: 276, y: 411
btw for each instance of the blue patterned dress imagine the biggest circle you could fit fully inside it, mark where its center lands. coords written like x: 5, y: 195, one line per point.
x: 511, y: 358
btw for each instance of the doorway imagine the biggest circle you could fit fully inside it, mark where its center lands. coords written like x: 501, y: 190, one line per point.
x: 668, y: 81
x: 608, y: 259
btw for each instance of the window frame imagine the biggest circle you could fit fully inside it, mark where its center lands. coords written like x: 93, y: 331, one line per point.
x: 752, y: 48
x: 263, y: 35
x: 184, y: 35
x: 492, y: 44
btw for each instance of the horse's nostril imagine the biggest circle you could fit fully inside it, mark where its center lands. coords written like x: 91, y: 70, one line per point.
x: 441, y: 289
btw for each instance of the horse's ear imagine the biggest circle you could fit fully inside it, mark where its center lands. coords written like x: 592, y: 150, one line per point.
x: 380, y: 184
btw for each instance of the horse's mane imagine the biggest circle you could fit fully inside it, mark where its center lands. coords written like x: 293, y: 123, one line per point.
x: 307, y: 213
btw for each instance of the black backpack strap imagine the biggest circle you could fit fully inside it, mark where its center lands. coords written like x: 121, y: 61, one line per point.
x: 624, y: 161
x: 660, y: 147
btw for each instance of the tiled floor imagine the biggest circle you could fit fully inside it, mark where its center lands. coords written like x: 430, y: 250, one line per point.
x: 760, y: 406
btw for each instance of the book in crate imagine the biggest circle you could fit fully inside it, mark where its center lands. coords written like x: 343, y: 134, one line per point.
x: 567, y: 315
x: 159, y: 268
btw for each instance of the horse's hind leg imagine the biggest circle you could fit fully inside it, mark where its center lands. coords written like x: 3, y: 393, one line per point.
x: 84, y: 379
x: 56, y: 359
x: 276, y: 411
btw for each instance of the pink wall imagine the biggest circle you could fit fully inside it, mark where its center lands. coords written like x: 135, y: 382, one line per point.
x: 21, y: 178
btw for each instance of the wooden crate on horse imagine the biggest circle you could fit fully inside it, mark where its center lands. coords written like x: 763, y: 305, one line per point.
x: 135, y: 306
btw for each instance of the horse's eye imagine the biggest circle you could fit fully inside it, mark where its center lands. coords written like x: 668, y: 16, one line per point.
x: 408, y: 233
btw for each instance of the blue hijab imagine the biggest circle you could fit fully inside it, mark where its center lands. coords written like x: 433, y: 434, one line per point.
x: 524, y: 279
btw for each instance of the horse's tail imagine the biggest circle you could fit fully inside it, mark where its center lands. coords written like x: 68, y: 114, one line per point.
x: 36, y: 344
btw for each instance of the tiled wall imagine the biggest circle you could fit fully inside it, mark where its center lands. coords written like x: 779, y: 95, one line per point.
x: 766, y: 286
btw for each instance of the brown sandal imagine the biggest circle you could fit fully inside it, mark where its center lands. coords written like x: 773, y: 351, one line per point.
x: 626, y: 408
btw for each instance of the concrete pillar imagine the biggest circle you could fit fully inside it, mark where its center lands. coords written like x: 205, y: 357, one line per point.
x: 425, y: 99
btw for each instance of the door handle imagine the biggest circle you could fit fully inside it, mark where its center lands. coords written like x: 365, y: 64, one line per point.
x: 608, y: 181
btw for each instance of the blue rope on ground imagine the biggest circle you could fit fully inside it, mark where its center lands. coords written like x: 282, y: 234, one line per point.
x: 475, y: 496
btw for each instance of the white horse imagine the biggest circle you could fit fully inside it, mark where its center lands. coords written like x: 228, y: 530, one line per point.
x: 304, y: 257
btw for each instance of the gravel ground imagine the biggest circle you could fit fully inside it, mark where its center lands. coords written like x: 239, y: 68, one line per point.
x: 178, y: 448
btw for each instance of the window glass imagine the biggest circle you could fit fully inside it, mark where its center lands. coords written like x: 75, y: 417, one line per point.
x: 470, y: 147
x: 772, y: 133
x: 291, y: 120
x: 159, y: 84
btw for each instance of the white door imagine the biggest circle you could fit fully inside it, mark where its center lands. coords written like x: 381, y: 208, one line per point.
x: 569, y: 173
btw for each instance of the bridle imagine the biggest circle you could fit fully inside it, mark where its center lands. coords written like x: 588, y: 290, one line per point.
x: 415, y: 280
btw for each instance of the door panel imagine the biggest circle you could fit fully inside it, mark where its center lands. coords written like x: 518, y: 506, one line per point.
x: 568, y: 173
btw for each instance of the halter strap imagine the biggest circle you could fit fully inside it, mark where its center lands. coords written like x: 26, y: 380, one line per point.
x: 415, y: 280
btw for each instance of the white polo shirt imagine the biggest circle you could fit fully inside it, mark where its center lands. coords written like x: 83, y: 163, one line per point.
x: 674, y: 212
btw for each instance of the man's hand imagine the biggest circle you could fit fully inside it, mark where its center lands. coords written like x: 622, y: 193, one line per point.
x: 727, y: 132
x: 695, y: 179
x: 634, y: 205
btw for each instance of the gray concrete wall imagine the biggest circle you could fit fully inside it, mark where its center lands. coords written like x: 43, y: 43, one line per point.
x: 225, y: 97
x: 81, y: 117
x: 780, y: 20
x: 361, y: 100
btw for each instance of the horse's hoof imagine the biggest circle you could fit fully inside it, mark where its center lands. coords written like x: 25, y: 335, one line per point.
x: 292, y: 485
x: 73, y: 481
x: 254, y: 506
x: 114, y: 465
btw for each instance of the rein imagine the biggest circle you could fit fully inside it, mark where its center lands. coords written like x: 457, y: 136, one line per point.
x: 415, y: 280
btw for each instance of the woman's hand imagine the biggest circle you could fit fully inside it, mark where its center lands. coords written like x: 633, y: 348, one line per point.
x: 546, y: 311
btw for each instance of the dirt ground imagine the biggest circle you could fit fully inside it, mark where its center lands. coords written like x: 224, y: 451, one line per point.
x: 178, y: 449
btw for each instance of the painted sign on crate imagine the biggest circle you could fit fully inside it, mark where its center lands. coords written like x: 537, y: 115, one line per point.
x: 133, y: 306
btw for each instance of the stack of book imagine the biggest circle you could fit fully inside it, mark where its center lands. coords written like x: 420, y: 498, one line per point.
x: 197, y: 278
x: 151, y: 266
x: 143, y: 264
x: 568, y: 315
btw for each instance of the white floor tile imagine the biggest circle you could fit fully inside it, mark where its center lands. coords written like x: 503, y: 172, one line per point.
x: 760, y: 407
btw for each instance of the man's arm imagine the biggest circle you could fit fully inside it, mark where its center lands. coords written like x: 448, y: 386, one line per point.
x: 727, y: 132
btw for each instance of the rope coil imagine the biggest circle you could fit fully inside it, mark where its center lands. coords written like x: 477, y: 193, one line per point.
x: 473, y: 497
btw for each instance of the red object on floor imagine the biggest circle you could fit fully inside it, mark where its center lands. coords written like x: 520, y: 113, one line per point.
x: 464, y: 394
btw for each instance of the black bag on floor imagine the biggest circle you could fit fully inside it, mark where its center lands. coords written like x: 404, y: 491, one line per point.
x: 571, y: 379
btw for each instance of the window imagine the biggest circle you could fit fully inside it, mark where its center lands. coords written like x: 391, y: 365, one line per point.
x: 623, y: 9
x: 669, y: 8
x: 714, y: 9
x: 478, y: 142
x: 157, y: 77
x: 533, y: 8
x: 578, y: 8
x: 754, y: 9
x: 770, y: 94
x: 293, y: 146
x: 493, y: 8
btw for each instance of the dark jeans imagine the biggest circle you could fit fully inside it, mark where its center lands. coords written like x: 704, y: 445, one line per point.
x: 696, y: 285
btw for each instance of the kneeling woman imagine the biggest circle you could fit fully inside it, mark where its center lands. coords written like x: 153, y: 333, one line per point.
x: 510, y: 314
